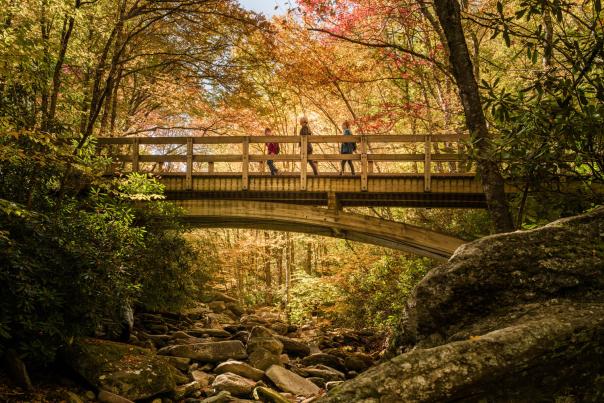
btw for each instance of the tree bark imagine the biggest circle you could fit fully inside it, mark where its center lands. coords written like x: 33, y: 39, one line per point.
x: 461, y: 65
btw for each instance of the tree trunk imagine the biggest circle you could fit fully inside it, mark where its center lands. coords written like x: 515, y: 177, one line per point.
x: 461, y: 64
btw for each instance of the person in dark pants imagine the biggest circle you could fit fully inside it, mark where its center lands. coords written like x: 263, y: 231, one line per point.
x: 305, y: 131
x: 347, y: 148
x: 272, y: 149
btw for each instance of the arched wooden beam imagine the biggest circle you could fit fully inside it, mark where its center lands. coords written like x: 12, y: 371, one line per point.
x: 320, y: 221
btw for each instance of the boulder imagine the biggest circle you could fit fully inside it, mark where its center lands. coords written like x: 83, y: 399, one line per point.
x: 294, y: 346
x: 125, y: 370
x: 207, y: 352
x: 234, y: 384
x: 290, y: 382
x: 562, y: 259
x: 511, y: 317
x: 239, y: 368
x: 558, y: 350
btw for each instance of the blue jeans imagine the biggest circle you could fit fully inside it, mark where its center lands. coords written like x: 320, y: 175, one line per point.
x: 271, y: 166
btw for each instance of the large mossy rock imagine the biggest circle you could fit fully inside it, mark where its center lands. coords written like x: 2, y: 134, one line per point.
x: 510, y: 317
x: 564, y: 259
x: 129, y: 371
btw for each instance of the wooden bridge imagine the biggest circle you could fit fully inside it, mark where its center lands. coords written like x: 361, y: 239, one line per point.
x: 221, y: 182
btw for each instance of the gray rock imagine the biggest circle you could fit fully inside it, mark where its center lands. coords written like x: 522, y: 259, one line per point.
x: 239, y: 368
x: 325, y: 372
x: 186, y: 390
x: 324, y: 359
x: 528, y: 361
x: 125, y: 370
x: 182, y: 363
x: 203, y: 378
x: 208, y: 352
x: 221, y: 397
x: 234, y: 384
x: 263, y: 359
x: 511, y: 317
x: 564, y: 258
x: 290, y: 382
x: 207, y: 332
x: 268, y: 395
x: 294, y: 346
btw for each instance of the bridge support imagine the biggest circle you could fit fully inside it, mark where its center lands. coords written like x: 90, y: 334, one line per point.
x: 319, y: 221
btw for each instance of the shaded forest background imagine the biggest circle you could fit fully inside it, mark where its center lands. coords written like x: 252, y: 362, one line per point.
x: 75, y: 246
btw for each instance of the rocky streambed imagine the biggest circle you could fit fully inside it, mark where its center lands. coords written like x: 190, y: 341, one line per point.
x: 218, y: 353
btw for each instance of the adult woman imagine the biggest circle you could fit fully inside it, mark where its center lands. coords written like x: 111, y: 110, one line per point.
x: 347, y: 148
x: 305, y: 131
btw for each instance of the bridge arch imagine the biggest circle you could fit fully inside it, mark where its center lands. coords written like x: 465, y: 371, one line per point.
x: 319, y: 221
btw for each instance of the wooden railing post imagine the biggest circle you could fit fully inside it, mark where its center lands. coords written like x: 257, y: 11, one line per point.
x: 364, y: 165
x: 428, y: 163
x: 210, y: 167
x: 245, y: 161
x: 135, y: 145
x: 189, y: 184
x: 303, y: 161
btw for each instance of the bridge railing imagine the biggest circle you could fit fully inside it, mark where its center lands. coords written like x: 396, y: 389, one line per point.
x: 364, y: 155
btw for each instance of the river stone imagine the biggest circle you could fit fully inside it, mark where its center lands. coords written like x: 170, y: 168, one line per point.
x: 221, y: 397
x: 239, y: 368
x: 203, y: 378
x: 208, y: 352
x: 128, y: 371
x: 324, y: 359
x: 268, y: 395
x: 181, y: 363
x: 207, y: 332
x: 263, y: 359
x: 234, y: 384
x: 325, y: 372
x: 294, y: 346
x: 288, y: 381
x: 268, y: 343
x: 188, y: 389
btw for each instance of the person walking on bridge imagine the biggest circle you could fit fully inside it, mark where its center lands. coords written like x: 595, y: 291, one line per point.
x: 347, y: 148
x: 305, y: 131
x: 272, y: 149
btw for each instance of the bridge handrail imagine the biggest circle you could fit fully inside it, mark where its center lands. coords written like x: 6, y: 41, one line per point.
x: 367, y: 159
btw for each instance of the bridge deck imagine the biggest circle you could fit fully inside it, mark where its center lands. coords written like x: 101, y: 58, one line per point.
x: 382, y: 190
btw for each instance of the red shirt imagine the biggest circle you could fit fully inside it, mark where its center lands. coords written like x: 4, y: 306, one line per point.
x: 273, y: 148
